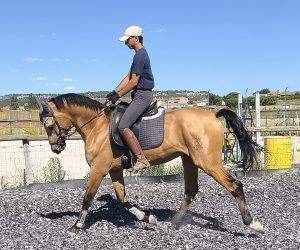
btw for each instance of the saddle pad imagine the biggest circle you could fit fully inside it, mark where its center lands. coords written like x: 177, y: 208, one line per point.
x: 151, y: 132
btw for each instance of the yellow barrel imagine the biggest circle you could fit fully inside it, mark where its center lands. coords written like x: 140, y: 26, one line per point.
x: 278, y: 152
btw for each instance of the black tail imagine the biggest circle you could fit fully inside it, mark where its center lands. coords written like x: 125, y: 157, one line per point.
x: 248, y: 146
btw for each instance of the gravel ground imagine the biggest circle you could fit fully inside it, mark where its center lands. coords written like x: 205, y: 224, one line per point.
x: 40, y: 218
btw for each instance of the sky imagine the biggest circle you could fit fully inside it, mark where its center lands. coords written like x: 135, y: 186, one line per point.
x: 217, y: 46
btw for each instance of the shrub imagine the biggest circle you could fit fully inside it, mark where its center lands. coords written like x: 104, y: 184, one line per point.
x: 53, y: 171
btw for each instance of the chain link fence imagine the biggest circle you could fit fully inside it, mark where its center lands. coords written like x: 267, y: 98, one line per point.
x: 24, y: 162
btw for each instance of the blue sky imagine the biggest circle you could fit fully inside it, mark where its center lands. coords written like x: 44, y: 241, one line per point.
x: 221, y: 46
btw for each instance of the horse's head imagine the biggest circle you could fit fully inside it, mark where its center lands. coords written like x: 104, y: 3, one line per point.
x: 56, y: 125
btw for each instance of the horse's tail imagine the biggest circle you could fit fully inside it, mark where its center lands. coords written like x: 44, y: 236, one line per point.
x: 248, y: 146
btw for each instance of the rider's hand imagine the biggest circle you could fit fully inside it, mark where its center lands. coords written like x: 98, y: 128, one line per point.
x: 113, y: 97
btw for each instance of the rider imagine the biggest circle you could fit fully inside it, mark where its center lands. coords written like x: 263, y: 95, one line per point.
x: 140, y: 80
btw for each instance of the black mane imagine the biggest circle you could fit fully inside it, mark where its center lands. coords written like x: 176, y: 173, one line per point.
x: 78, y: 100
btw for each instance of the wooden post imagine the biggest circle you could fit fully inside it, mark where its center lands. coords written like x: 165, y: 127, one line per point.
x: 28, y: 166
x: 9, y: 122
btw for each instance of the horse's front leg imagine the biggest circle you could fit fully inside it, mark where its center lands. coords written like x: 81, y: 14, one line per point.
x: 119, y: 187
x: 96, y: 175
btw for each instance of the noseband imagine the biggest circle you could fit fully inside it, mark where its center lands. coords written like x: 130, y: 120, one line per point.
x: 61, y: 133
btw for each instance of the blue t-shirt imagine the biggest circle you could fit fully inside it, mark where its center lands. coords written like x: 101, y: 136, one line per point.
x: 141, y: 66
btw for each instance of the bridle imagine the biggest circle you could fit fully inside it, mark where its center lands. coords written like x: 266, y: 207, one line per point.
x: 62, y: 133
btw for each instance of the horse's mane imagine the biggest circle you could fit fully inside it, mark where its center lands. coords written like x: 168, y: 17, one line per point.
x: 77, y: 100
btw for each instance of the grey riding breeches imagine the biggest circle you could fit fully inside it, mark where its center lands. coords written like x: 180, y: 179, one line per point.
x: 141, y: 100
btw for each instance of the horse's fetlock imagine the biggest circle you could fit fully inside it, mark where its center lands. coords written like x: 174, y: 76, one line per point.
x: 238, y: 189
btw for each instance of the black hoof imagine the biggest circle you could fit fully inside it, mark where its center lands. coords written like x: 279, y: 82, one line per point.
x: 177, y: 220
x: 176, y: 224
x: 74, y: 229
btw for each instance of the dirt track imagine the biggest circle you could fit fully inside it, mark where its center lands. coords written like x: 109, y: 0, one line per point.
x: 39, y: 218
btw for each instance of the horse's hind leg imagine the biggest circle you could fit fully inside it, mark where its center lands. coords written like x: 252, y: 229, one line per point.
x: 235, y: 187
x: 119, y: 187
x: 206, y: 154
x: 191, y: 189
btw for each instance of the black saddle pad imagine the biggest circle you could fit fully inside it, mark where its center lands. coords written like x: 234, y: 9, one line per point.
x: 149, y: 130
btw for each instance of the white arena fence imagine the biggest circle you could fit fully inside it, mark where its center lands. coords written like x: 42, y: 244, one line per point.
x: 24, y: 162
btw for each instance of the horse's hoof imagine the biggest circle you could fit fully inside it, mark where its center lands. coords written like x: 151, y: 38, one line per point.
x: 176, y: 224
x: 74, y: 230
x: 152, y: 219
x: 257, y: 226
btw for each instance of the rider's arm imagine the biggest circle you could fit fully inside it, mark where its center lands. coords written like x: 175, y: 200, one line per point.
x: 122, y: 84
x: 127, y: 84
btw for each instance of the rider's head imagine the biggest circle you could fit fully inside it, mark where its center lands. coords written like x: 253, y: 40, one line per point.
x: 132, y: 37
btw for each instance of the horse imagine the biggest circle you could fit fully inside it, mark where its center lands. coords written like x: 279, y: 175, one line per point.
x: 194, y: 134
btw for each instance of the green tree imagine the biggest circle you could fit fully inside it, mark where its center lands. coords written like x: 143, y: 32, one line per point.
x: 264, y: 91
x: 14, y: 103
x: 267, y: 100
x: 231, y: 100
x: 32, y: 104
x: 215, y: 99
x: 250, y: 100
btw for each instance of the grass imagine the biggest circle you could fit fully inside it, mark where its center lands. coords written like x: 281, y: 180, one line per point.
x: 22, y: 131
x: 160, y: 170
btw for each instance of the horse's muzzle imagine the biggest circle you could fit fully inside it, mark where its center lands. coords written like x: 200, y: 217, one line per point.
x: 58, y: 148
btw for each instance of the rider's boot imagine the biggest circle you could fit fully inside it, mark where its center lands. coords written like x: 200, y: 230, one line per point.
x: 135, y: 147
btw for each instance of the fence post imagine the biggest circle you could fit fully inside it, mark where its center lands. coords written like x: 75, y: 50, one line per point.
x: 257, y: 117
x: 9, y: 122
x: 240, y: 114
x: 28, y: 166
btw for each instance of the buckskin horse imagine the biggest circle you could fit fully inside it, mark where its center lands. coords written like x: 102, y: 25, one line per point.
x: 194, y: 134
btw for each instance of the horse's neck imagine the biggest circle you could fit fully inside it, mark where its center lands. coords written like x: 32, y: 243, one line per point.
x: 85, y: 120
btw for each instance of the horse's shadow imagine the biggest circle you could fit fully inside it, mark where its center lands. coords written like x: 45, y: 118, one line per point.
x: 113, y: 212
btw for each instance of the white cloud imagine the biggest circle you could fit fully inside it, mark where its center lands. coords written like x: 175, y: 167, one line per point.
x: 32, y: 59
x: 53, y: 34
x: 40, y: 78
x: 55, y: 59
x: 67, y: 79
x: 159, y: 30
x: 69, y: 88
x: 13, y: 70
x: 67, y: 60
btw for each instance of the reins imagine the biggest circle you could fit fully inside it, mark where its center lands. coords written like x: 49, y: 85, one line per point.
x: 93, y: 118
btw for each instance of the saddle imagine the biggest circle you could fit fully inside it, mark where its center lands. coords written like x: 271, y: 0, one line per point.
x: 148, y: 129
